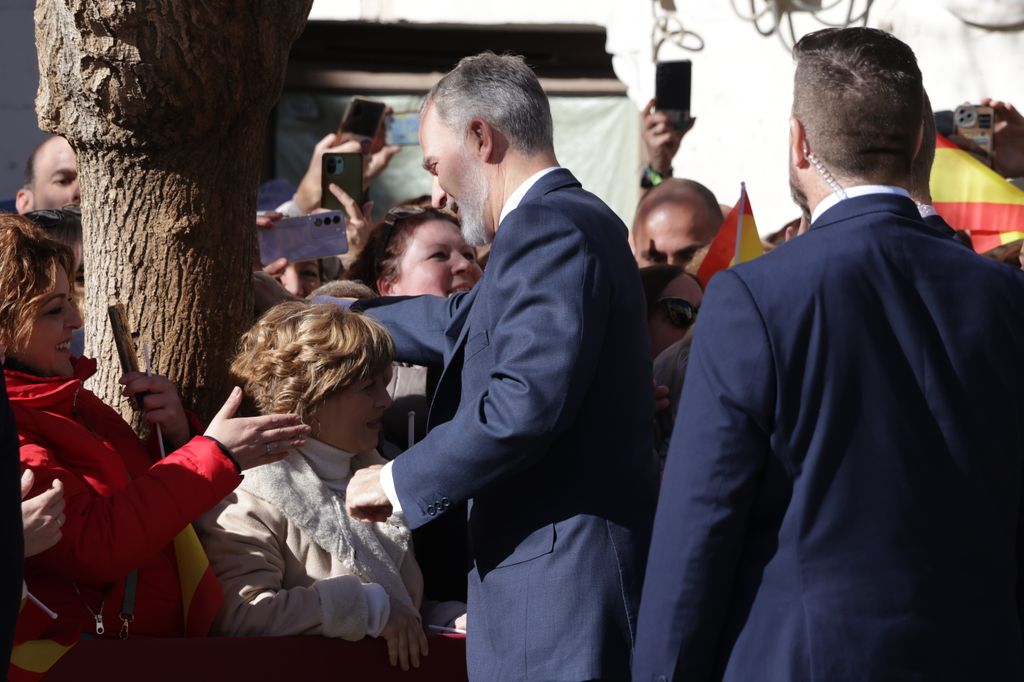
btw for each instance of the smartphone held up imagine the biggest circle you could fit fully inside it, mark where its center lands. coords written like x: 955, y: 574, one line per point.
x: 672, y: 91
x: 344, y: 170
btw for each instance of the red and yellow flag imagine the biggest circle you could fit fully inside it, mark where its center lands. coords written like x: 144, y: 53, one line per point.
x: 201, y: 595
x: 971, y: 196
x: 737, y: 240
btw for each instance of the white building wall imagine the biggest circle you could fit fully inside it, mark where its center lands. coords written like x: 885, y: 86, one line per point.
x: 742, y: 81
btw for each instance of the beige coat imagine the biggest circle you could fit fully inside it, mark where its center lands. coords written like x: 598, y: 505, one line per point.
x: 292, y: 561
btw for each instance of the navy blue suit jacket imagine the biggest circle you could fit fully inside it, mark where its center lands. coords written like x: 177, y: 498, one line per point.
x: 542, y: 418
x: 842, y: 497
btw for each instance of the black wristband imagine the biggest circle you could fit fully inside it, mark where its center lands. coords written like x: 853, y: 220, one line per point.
x: 227, y: 453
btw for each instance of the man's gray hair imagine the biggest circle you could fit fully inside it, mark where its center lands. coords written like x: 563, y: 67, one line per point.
x: 500, y: 89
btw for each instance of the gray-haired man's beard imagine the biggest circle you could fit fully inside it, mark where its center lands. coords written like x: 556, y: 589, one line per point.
x: 472, y: 205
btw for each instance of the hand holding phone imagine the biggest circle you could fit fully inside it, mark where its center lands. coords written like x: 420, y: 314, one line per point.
x: 344, y: 170
x: 318, y: 235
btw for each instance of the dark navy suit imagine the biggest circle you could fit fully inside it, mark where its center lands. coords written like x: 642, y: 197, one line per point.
x: 542, y: 418
x: 842, y: 497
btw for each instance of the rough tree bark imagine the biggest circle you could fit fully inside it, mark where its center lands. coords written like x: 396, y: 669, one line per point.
x: 166, y: 104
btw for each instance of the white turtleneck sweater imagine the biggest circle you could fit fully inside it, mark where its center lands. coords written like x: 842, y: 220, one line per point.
x: 333, y: 466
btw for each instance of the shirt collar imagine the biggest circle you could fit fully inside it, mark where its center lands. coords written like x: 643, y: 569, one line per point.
x: 512, y: 203
x: 851, y: 192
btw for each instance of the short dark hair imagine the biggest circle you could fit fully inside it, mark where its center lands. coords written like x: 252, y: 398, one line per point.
x: 921, y: 171
x: 30, y: 163
x: 857, y: 92
x: 502, y: 90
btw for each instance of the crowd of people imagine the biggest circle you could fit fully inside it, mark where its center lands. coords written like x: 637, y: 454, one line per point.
x: 463, y: 422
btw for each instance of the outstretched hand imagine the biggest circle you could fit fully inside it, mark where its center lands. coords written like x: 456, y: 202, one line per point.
x: 365, y: 498
x: 256, y: 440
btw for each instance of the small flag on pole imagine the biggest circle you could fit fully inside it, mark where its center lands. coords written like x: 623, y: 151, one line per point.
x: 971, y: 196
x: 737, y: 240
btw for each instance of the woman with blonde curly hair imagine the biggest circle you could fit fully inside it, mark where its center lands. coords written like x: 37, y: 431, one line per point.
x: 290, y: 558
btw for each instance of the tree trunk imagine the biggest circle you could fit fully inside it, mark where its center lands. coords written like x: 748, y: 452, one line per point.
x: 166, y: 104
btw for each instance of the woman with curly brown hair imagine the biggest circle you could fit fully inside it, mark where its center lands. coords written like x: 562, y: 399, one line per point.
x: 115, y: 569
x: 291, y: 560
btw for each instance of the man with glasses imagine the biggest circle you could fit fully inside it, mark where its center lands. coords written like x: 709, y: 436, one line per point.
x: 842, y: 495
x: 542, y: 415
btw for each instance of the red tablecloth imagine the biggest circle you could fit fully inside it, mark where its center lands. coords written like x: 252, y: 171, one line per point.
x: 251, y: 659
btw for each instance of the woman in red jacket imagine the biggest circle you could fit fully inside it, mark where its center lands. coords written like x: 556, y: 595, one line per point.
x: 121, y: 565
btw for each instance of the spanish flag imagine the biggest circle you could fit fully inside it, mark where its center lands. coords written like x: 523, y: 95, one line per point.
x: 971, y: 196
x: 737, y: 240
x: 201, y: 594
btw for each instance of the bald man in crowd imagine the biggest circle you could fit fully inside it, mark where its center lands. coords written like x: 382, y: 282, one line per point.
x: 673, y: 221
x: 51, y: 177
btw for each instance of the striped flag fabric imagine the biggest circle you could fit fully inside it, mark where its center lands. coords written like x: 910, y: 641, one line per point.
x: 201, y: 595
x: 971, y: 196
x: 737, y: 240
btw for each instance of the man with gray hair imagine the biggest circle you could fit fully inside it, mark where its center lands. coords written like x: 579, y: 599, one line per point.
x: 542, y: 415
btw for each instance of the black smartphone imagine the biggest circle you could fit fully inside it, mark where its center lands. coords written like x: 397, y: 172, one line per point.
x: 345, y: 171
x: 672, y: 90
x: 363, y: 118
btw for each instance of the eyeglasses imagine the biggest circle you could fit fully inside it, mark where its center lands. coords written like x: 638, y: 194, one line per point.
x: 680, y: 312
x: 50, y: 218
x: 393, y: 218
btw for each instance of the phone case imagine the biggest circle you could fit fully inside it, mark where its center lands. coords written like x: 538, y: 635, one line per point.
x: 672, y: 86
x: 122, y: 338
x: 362, y: 117
x: 318, y: 235
x: 345, y: 171
x: 975, y: 122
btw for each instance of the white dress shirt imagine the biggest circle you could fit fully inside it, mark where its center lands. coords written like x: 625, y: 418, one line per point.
x: 851, y: 192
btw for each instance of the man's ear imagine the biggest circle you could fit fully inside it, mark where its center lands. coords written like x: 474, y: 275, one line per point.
x: 798, y: 148
x: 920, y: 140
x: 482, y: 139
x: 23, y: 200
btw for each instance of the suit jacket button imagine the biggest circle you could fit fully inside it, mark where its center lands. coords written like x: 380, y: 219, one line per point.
x: 431, y: 510
x: 444, y: 503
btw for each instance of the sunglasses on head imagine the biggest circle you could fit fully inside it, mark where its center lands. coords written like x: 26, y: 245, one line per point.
x: 393, y: 218
x: 50, y: 218
x: 681, y: 313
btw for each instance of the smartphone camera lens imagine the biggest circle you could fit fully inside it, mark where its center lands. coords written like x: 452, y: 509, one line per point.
x: 317, y: 222
x: 336, y: 220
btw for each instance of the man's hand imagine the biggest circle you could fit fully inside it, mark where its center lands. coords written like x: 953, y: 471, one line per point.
x: 365, y: 499
x: 662, y: 139
x: 41, y: 516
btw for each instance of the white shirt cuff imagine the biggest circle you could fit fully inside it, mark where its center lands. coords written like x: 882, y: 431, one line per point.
x: 388, y: 483
x: 378, y: 608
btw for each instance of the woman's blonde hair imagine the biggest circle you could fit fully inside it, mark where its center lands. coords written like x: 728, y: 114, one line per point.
x: 298, y: 354
x: 29, y: 262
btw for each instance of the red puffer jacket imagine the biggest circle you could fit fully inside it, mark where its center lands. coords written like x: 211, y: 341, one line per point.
x: 122, y: 509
